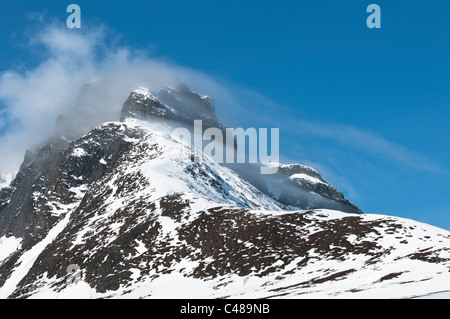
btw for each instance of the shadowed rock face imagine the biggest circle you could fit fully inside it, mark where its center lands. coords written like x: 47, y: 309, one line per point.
x: 47, y: 182
x: 296, y: 187
x: 184, y: 100
x: 19, y: 208
x: 175, y: 104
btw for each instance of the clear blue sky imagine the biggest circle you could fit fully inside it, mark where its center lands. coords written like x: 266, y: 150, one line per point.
x: 319, y: 59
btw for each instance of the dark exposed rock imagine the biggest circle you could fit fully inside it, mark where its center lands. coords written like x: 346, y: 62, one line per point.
x: 184, y: 106
x: 47, y: 179
x: 292, y: 186
x: 179, y: 104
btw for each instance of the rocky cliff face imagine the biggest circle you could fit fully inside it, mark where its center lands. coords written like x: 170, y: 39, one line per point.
x: 129, y: 208
x: 176, y: 104
x: 295, y: 178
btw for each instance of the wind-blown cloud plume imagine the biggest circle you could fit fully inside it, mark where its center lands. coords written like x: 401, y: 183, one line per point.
x: 32, y: 99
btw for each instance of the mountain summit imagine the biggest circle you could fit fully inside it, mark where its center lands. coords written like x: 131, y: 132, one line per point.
x: 295, y: 186
x: 123, y: 211
x: 178, y: 103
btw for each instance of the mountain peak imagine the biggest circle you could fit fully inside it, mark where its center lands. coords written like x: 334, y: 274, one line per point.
x: 177, y: 104
x: 141, y: 91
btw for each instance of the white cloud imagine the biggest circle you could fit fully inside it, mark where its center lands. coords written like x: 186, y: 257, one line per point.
x: 35, y: 97
x: 64, y: 43
x: 268, y: 112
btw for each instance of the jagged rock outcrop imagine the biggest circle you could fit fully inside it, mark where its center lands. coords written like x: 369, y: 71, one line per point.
x: 296, y: 177
x: 175, y: 104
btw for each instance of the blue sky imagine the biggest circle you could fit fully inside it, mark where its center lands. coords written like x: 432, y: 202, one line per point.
x: 369, y: 108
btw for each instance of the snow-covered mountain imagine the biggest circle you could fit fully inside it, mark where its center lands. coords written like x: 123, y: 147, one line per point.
x: 124, y: 212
